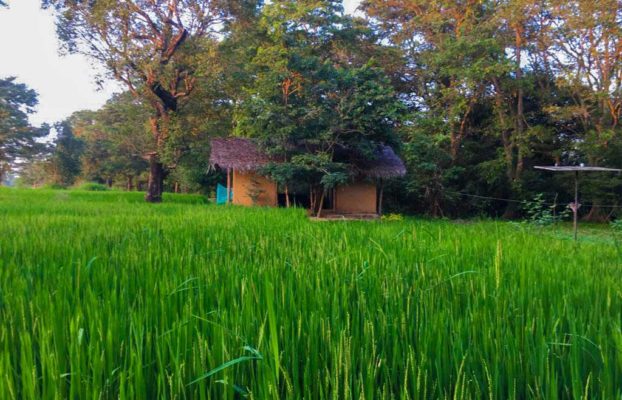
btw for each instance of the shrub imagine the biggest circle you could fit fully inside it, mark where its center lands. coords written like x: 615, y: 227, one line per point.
x: 53, y: 186
x: 617, y: 225
x: 93, y: 187
x: 392, y: 217
x: 540, y: 213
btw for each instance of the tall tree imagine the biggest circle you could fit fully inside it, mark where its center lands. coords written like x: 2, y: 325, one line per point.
x: 65, y: 166
x: 315, y: 98
x: 114, y: 139
x: 148, y: 45
x: 450, y: 54
x: 516, y: 26
x: 18, y: 138
x: 585, y: 45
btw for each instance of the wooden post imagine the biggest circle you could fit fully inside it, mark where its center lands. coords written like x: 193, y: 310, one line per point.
x: 311, y: 199
x: 380, y: 194
x: 576, y: 203
x: 228, y: 186
x: 319, y: 209
x: 286, y: 197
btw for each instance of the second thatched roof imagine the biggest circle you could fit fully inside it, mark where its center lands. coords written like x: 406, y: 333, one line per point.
x: 244, y: 155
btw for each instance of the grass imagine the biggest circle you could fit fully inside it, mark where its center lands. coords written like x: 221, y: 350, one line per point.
x: 103, y: 296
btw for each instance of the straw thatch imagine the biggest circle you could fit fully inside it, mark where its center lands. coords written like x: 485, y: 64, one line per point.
x: 236, y: 153
x: 386, y: 165
x: 242, y: 154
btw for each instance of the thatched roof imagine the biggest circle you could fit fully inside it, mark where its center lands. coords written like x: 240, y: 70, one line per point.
x: 386, y: 165
x: 236, y: 153
x: 243, y: 155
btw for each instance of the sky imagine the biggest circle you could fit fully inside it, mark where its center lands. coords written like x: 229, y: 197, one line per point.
x: 29, y: 51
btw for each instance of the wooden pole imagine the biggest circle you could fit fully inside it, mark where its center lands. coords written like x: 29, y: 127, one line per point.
x: 319, y: 209
x: 286, y: 197
x: 576, y: 203
x: 228, y: 185
x: 380, y: 198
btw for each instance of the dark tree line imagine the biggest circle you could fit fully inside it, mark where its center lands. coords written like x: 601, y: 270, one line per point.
x: 472, y: 94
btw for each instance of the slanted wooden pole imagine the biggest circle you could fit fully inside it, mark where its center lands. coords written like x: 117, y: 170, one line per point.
x: 319, y: 209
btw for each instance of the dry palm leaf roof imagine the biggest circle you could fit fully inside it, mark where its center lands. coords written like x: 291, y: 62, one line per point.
x: 243, y: 154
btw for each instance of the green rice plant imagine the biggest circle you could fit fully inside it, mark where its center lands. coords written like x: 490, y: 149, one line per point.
x: 104, y: 296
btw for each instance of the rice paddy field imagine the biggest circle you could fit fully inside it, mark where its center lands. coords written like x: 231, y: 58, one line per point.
x: 105, y: 297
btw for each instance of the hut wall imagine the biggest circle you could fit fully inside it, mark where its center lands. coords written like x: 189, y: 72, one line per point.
x: 251, y: 189
x: 356, y: 198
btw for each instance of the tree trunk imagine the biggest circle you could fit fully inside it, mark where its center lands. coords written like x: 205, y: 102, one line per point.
x: 156, y: 180
x: 159, y: 124
x: 520, y: 113
x: 4, y: 168
x: 511, y: 211
x: 176, y: 187
x: 130, y: 183
x: 109, y: 182
x: 286, y: 197
x: 454, y: 146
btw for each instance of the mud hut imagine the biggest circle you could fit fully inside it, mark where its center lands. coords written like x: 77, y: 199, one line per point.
x: 242, y: 159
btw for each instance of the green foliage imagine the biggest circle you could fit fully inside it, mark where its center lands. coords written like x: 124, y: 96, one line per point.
x: 498, y: 87
x: 18, y: 138
x: 269, y: 303
x: 472, y: 94
x: 392, y: 217
x: 93, y: 187
x: 617, y: 225
x: 313, y: 94
x: 53, y: 186
x: 159, y: 50
x: 541, y: 213
x: 65, y: 165
x: 115, y: 140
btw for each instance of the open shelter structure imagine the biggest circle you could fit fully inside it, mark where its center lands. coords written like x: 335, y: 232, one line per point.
x: 242, y: 159
x: 575, y: 170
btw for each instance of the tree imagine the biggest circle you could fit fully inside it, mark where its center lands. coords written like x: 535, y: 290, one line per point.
x: 315, y: 104
x: 65, y: 160
x: 35, y: 174
x: 450, y: 53
x: 18, y: 139
x: 114, y: 138
x: 151, y: 47
x: 585, y: 46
